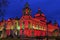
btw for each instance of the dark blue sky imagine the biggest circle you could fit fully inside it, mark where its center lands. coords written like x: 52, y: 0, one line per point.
x: 51, y: 8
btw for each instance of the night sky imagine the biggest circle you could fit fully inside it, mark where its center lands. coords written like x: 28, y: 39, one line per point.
x: 51, y: 8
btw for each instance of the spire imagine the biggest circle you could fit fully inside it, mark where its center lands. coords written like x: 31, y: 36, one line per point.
x: 2, y: 19
x: 16, y: 18
x: 39, y: 11
x: 26, y: 5
x: 26, y: 9
x: 49, y: 22
x: 55, y: 23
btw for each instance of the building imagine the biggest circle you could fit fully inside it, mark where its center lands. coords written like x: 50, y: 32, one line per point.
x: 28, y: 26
x: 37, y: 26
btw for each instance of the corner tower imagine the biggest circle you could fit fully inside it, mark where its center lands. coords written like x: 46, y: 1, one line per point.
x: 26, y: 10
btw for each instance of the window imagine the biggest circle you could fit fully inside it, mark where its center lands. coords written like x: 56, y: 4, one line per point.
x: 23, y: 25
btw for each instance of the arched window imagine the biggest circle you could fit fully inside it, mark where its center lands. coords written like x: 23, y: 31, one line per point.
x: 37, y: 27
x: 22, y: 25
x: 29, y: 25
x: 17, y: 24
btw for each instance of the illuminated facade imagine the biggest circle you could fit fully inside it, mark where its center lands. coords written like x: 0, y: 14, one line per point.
x: 36, y: 26
x: 30, y: 26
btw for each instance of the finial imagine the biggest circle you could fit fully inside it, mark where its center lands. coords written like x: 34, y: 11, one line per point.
x: 55, y: 22
x: 26, y: 5
x: 39, y: 11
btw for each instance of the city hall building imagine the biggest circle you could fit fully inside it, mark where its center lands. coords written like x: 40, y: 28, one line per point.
x: 29, y: 26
